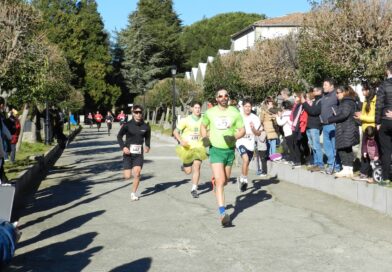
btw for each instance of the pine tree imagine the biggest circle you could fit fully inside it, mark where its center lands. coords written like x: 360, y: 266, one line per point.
x: 150, y: 44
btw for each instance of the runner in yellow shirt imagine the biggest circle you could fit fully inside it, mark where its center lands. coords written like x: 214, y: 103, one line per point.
x: 225, y: 125
x: 191, y: 150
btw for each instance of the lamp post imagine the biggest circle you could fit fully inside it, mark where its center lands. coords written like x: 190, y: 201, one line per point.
x: 173, y: 72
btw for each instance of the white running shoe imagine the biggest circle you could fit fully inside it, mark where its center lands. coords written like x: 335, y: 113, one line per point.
x: 134, y: 197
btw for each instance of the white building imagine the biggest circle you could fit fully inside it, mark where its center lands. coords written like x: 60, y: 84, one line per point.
x: 266, y: 29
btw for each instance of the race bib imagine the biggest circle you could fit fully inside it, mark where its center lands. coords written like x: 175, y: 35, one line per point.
x: 136, y: 149
x: 247, y: 136
x: 193, y: 137
x: 222, y: 123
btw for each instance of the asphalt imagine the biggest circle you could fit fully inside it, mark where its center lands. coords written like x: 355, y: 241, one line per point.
x: 82, y: 219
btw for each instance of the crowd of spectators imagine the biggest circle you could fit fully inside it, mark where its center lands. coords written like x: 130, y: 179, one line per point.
x: 322, y: 127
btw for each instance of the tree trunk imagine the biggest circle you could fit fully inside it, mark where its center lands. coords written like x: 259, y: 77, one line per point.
x: 22, y: 124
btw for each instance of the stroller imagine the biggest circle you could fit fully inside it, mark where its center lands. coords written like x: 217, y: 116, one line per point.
x: 377, y: 171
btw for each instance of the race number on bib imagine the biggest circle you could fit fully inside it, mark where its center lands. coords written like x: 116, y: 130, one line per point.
x: 222, y: 123
x: 136, y: 149
x: 193, y: 137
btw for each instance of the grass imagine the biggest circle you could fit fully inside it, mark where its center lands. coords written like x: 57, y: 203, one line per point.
x: 161, y: 129
x: 24, y: 158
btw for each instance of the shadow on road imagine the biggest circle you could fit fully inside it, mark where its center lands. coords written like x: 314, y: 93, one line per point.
x: 69, y: 225
x: 141, y: 265
x: 162, y: 187
x: 66, y: 197
x: 69, y: 255
x: 252, y: 196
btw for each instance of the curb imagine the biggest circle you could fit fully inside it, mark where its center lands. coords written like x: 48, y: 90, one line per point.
x: 30, y: 179
x: 369, y: 195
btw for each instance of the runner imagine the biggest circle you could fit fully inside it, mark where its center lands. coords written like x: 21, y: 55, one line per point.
x: 98, y: 119
x: 109, y: 121
x: 90, y: 119
x: 121, y: 117
x: 191, y: 150
x: 137, y: 132
x: 246, y: 145
x: 225, y: 127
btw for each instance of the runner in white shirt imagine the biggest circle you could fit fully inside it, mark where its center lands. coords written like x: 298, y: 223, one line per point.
x: 246, y: 145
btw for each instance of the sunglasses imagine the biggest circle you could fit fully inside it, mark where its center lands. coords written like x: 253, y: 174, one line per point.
x: 137, y: 112
x: 221, y: 96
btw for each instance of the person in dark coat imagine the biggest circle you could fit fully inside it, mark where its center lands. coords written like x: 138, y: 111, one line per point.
x: 347, y: 130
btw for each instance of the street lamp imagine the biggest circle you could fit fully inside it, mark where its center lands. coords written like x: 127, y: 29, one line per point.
x: 173, y: 72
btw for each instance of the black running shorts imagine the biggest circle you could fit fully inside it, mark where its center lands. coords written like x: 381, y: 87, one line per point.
x: 132, y: 160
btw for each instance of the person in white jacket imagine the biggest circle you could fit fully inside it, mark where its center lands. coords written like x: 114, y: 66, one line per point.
x: 283, y: 120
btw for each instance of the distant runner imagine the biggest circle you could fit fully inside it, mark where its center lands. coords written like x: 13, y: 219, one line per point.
x: 137, y: 132
x: 109, y: 121
x: 98, y: 119
x: 191, y: 150
x: 225, y: 126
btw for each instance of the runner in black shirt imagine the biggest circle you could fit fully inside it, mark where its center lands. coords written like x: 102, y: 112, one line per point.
x: 137, y: 132
x: 109, y: 120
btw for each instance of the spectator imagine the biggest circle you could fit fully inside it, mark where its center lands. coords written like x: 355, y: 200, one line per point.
x: 369, y: 152
x: 14, y: 120
x: 299, y: 119
x: 347, y: 132
x: 367, y: 119
x: 5, y: 135
x: 329, y: 104
x: 384, y: 122
x: 312, y: 106
x: 268, y: 119
x: 261, y: 142
x: 286, y: 96
x: 283, y: 120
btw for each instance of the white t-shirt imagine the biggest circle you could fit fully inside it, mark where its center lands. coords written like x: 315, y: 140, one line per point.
x: 249, y: 139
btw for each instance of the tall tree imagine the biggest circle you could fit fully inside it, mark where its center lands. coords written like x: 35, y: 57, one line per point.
x: 150, y: 43
x: 205, y: 37
x: 77, y: 28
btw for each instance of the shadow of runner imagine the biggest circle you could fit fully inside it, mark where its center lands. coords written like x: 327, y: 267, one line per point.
x: 69, y: 225
x: 141, y: 265
x: 162, y: 187
x: 253, y: 197
x: 88, y: 200
x: 70, y: 255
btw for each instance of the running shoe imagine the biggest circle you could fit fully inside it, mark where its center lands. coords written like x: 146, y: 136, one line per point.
x: 194, y: 194
x: 225, y: 219
x: 262, y: 174
x: 134, y: 197
x: 244, y: 184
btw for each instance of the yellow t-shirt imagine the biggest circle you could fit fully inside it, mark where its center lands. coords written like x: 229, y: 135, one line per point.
x: 189, y: 128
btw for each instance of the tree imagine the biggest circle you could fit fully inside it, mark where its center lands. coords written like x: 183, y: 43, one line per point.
x: 162, y: 94
x: 18, y: 25
x: 346, y: 39
x: 150, y: 44
x: 77, y: 28
x: 205, y: 37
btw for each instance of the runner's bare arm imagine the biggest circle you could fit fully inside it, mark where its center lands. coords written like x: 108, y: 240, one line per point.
x: 240, y: 133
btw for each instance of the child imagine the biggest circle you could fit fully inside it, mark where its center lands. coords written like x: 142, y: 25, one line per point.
x: 369, y: 153
x: 261, y: 142
x: 283, y: 120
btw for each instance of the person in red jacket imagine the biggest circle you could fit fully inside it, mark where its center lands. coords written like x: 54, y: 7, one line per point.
x: 299, y: 119
x: 98, y: 119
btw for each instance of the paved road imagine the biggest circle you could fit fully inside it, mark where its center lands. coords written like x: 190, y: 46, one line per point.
x: 83, y: 220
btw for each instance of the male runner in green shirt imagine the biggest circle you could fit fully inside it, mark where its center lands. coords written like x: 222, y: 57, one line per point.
x: 225, y: 126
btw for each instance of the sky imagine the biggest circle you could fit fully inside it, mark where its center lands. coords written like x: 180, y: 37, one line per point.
x: 115, y: 12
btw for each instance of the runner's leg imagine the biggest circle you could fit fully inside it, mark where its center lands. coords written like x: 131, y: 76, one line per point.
x: 196, y: 172
x: 218, y: 171
x: 136, y: 178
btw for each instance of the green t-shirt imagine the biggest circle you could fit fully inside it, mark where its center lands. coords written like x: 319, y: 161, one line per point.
x: 222, y: 123
x: 189, y: 127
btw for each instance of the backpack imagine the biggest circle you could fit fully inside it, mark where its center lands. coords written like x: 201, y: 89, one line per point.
x: 7, y: 242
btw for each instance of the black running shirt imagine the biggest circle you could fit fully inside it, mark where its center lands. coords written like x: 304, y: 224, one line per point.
x: 136, y: 133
